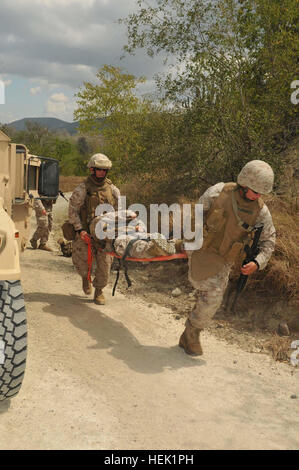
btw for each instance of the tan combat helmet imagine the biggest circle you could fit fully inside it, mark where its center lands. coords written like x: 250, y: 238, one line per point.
x: 99, y: 160
x: 258, y: 176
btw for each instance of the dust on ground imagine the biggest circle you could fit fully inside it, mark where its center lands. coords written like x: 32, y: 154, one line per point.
x: 254, y: 327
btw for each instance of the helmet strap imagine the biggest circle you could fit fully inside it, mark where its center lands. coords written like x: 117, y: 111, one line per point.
x: 243, y: 191
x: 98, y: 180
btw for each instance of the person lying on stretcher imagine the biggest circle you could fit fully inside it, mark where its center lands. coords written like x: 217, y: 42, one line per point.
x: 122, y: 229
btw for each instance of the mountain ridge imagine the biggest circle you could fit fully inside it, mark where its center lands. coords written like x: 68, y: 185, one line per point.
x: 53, y: 124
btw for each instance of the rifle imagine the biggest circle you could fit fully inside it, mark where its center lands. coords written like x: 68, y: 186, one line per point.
x: 62, y: 195
x: 251, y: 253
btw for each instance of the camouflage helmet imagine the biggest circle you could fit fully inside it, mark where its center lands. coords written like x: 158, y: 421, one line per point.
x: 99, y: 160
x: 258, y: 176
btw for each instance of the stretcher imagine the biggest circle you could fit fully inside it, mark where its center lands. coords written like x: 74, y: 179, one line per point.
x: 87, y: 239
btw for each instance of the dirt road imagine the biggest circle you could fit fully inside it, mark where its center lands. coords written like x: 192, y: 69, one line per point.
x: 113, y: 377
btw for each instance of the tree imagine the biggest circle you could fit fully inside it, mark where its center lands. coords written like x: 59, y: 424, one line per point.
x: 235, y: 61
x: 83, y: 146
x: 113, y: 110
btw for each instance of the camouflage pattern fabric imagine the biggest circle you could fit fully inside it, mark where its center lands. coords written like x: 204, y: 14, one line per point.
x: 103, y: 263
x: 145, y: 248
x: 209, y: 292
x: 77, y: 200
x: 79, y: 247
x: 66, y: 247
x: 257, y: 175
x: 209, y: 295
x: 268, y: 236
x: 44, y: 221
x: 123, y: 226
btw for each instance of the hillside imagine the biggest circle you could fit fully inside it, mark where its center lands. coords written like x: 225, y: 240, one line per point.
x: 52, y: 124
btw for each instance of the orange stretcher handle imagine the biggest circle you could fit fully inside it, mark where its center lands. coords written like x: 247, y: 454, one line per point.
x: 157, y: 258
x: 87, y: 240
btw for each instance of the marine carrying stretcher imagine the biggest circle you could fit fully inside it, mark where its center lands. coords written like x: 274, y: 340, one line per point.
x: 123, y: 259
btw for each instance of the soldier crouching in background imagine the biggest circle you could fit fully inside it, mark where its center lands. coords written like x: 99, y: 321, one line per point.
x: 44, y: 219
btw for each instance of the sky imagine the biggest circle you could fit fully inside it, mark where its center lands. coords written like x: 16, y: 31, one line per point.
x: 48, y: 48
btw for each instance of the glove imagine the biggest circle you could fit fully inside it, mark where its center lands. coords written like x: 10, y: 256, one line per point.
x: 249, y: 268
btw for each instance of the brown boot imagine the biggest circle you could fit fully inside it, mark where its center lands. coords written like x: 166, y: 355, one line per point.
x: 179, y: 246
x: 99, y: 297
x: 86, y: 286
x: 45, y: 247
x: 33, y: 243
x: 161, y: 247
x: 189, y: 340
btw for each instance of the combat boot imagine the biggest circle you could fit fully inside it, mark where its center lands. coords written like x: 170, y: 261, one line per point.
x: 86, y: 286
x: 161, y: 247
x: 45, y: 247
x: 179, y: 246
x: 99, y: 297
x: 189, y: 340
x: 33, y: 243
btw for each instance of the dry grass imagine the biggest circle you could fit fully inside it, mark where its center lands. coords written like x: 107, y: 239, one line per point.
x: 281, y: 277
x: 68, y: 183
x: 279, y: 348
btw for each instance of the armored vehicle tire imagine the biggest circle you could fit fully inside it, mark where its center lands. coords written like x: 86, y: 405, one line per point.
x: 13, y: 338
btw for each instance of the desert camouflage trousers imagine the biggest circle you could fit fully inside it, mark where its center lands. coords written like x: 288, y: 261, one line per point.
x: 139, y: 249
x: 209, y: 295
x: 103, y: 263
x: 44, y: 227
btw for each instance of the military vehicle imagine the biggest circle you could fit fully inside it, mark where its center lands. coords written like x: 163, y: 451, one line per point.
x: 23, y: 177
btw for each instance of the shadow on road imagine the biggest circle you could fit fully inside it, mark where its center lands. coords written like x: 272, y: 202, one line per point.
x: 114, y: 335
x: 4, y: 406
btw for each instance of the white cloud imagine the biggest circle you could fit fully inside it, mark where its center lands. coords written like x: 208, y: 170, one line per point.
x: 6, y: 117
x: 35, y: 91
x: 56, y: 108
x: 65, y: 41
x: 59, y: 98
x: 2, y: 92
x: 58, y: 44
x: 6, y: 81
x: 59, y: 105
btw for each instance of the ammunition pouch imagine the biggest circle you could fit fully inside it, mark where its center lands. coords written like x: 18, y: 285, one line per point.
x: 234, y: 252
x: 205, y: 264
x: 214, y: 224
x: 216, y: 220
x: 68, y: 231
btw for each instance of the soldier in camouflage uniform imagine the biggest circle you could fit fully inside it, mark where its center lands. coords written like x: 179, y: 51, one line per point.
x: 125, y: 234
x: 96, y: 189
x: 231, y: 211
x: 44, y: 220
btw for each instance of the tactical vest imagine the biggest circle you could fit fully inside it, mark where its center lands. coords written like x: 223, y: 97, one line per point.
x: 228, y: 226
x: 95, y: 194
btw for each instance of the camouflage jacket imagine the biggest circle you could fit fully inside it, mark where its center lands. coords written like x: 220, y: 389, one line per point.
x: 268, y: 235
x: 39, y: 206
x: 77, y: 200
